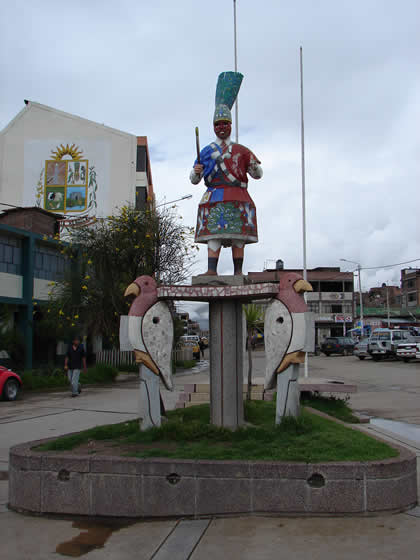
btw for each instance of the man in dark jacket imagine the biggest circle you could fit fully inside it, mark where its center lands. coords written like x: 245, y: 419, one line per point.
x: 75, y: 358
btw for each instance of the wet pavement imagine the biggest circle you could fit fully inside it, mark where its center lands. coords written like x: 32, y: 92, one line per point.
x: 383, y: 537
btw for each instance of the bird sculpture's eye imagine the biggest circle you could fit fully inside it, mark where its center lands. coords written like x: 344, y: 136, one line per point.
x: 155, y: 320
x: 280, y: 320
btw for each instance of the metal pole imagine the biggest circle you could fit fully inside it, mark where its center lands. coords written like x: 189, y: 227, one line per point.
x: 361, y: 301
x: 387, y: 307
x: 305, y: 273
x: 236, y: 68
x: 303, y: 167
x: 302, y: 129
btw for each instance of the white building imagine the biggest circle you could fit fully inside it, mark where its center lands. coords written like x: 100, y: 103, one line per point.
x: 76, y: 169
x: 70, y: 165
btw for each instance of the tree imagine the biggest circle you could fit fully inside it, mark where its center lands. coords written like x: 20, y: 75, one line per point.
x: 254, y: 316
x: 106, y: 257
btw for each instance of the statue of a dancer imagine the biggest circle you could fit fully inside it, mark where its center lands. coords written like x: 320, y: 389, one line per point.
x: 226, y: 213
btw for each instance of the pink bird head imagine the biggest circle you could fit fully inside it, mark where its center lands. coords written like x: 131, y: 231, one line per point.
x: 291, y: 289
x: 145, y: 290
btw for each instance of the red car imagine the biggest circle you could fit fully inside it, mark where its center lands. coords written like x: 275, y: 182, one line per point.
x: 10, y: 384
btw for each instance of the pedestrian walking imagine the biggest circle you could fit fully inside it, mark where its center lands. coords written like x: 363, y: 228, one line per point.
x: 202, y: 347
x: 74, y: 360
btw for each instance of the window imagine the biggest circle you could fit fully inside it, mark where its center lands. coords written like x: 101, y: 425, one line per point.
x: 412, y: 297
x: 141, y: 164
x: 382, y: 336
x: 141, y: 198
x: 331, y: 286
x: 49, y: 264
x: 313, y: 306
x: 10, y: 254
x: 336, y: 308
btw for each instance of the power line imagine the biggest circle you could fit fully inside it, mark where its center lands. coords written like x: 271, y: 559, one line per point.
x: 387, y: 265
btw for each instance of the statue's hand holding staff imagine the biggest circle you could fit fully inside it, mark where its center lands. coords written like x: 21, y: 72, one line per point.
x: 198, y: 167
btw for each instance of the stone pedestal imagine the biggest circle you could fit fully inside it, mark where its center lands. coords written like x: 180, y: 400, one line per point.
x: 227, y: 346
x: 225, y: 295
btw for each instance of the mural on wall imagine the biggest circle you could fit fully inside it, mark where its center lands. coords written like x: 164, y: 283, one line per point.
x: 67, y: 183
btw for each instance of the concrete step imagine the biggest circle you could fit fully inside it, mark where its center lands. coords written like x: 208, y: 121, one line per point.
x: 198, y: 393
x: 205, y: 397
x: 205, y: 388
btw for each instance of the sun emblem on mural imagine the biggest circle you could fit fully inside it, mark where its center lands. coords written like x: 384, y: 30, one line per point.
x: 67, y: 150
x: 67, y: 185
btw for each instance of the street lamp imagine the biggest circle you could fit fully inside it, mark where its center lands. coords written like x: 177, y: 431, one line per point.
x: 176, y: 200
x: 359, y: 268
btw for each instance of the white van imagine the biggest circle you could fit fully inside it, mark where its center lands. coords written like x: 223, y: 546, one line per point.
x: 383, y: 343
x: 188, y: 339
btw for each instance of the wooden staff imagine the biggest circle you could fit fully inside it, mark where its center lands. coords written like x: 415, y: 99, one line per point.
x: 197, y: 144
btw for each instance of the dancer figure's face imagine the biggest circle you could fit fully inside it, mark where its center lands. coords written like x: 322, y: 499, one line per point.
x: 223, y: 129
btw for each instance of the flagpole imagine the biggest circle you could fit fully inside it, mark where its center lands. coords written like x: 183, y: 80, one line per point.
x: 236, y: 66
x: 305, y: 272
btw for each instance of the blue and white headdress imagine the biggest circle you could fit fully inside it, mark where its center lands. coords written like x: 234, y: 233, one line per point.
x: 227, y: 89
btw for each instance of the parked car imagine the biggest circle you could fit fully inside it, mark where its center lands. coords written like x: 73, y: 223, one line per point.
x: 189, y: 338
x: 337, y: 345
x: 407, y: 351
x: 383, y: 343
x: 10, y: 384
x: 361, y: 349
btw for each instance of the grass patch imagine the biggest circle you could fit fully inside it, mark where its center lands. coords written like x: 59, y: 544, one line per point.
x: 189, y: 435
x: 186, y: 364
x: 336, y: 407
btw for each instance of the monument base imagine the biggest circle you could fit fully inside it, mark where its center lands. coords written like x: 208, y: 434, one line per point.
x: 228, y: 280
x: 227, y: 350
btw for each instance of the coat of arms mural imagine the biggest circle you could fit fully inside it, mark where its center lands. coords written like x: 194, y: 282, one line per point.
x: 67, y: 184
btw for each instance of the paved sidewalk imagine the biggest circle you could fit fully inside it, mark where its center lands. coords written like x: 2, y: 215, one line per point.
x: 390, y: 537
x: 386, y: 537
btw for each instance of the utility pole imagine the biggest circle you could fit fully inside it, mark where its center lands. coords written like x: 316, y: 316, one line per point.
x: 359, y: 268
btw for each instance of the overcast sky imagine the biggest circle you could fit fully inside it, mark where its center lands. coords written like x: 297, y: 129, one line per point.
x: 150, y: 68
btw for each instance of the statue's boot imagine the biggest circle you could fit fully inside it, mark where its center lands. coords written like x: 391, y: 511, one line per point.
x: 237, y: 266
x: 212, y: 267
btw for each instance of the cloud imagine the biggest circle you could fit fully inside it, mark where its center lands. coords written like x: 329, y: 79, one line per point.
x: 150, y: 68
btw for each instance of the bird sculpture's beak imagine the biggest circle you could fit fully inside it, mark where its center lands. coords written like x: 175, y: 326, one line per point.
x: 297, y: 357
x: 302, y: 286
x: 132, y: 290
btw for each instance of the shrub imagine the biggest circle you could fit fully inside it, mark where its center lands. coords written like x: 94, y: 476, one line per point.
x: 100, y: 373
x: 54, y: 377
x: 44, y: 378
x: 128, y: 367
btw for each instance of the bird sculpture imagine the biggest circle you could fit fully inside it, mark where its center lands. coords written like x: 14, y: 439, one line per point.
x: 148, y: 331
x: 287, y: 333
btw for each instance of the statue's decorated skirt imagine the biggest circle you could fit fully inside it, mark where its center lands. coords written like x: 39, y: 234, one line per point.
x: 226, y: 213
